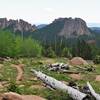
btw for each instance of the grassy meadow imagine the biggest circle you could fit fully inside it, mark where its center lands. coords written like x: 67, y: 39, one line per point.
x: 31, y: 85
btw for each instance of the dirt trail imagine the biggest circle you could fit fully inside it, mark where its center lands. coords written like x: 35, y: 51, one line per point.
x: 20, y: 71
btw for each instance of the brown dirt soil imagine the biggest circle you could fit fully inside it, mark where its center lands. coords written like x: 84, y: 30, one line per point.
x: 76, y: 76
x: 78, y: 61
x: 97, y: 78
x: 49, y: 61
x: 20, y: 71
x: 1, y: 86
x: 15, y: 96
x: 33, y: 78
x: 32, y: 97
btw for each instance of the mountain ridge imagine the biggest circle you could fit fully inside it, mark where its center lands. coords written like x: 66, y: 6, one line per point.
x: 61, y: 29
x: 65, y: 27
x: 16, y: 25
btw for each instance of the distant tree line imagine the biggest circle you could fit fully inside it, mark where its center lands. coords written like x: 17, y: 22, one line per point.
x: 81, y: 48
x: 16, y: 46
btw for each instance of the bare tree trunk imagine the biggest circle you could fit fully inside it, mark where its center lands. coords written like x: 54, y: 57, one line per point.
x: 55, y: 84
x: 97, y: 96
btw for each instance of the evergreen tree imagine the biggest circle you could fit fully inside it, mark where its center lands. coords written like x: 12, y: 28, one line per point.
x: 66, y: 53
x: 31, y: 48
x: 6, y: 44
x: 49, y: 52
x: 83, y: 50
x: 18, y: 46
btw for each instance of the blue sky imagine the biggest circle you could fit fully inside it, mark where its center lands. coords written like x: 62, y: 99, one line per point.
x: 45, y: 11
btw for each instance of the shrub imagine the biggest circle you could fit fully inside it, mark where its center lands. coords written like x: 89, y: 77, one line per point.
x: 49, y: 53
x: 13, y: 88
x: 97, y: 59
x: 6, y: 44
x: 18, y: 46
x: 31, y: 48
x: 15, y: 46
x: 27, y: 47
x: 66, y: 53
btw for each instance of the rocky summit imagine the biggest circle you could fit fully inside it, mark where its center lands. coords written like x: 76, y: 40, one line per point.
x: 73, y: 27
x: 63, y: 27
x: 16, y: 25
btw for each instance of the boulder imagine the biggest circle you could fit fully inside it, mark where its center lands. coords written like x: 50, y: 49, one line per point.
x: 11, y: 96
x: 78, y: 61
x: 15, y: 96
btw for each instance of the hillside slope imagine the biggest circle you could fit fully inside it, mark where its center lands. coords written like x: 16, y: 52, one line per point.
x: 63, y: 29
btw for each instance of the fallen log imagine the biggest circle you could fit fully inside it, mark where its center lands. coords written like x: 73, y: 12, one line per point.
x: 89, y: 69
x: 94, y: 94
x: 55, y: 84
x: 69, y: 72
x: 81, y: 68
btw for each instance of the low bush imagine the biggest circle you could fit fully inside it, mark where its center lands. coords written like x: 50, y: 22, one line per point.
x: 13, y: 88
x: 97, y: 59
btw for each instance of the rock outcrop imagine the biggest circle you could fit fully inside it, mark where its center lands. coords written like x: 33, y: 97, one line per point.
x: 3, y: 22
x: 16, y: 25
x: 66, y: 27
x: 78, y: 61
x: 73, y: 27
x: 15, y: 96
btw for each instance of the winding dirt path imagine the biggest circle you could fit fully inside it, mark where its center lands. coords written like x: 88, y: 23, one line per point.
x: 20, y: 71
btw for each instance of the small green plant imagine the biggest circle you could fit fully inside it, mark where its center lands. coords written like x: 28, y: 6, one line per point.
x: 13, y: 87
x: 56, y: 95
x: 50, y: 53
x: 66, y: 53
x: 97, y: 59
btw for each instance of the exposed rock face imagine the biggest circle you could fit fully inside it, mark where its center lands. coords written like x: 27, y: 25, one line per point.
x: 66, y: 27
x: 15, y: 96
x: 3, y: 22
x: 73, y: 27
x: 16, y: 25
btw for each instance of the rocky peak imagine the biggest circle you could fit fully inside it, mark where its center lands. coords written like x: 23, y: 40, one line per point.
x: 16, y: 25
x: 73, y: 27
x: 3, y: 22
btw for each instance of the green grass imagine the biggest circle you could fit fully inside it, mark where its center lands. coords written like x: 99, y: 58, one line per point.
x: 8, y: 74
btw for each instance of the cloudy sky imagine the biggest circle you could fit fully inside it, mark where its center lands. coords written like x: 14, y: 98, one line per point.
x: 45, y: 11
